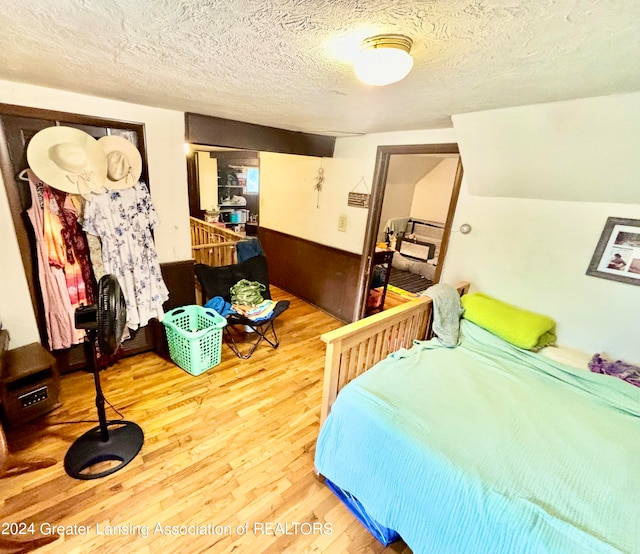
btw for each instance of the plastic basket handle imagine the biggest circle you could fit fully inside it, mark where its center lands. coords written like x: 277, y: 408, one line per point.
x: 221, y: 321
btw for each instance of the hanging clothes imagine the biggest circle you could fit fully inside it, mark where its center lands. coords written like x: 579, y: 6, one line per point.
x: 124, y: 219
x: 59, y: 255
x: 93, y: 242
x: 59, y: 243
x: 75, y: 242
x: 95, y: 255
x: 58, y: 312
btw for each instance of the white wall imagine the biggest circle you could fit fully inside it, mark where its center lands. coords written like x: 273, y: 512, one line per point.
x: 355, y: 160
x: 15, y: 303
x: 164, y: 134
x: 588, y: 146
x: 398, y: 194
x: 432, y: 194
x: 535, y: 252
x: 289, y: 203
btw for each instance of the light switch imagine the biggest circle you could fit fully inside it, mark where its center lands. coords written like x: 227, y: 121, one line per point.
x: 342, y: 223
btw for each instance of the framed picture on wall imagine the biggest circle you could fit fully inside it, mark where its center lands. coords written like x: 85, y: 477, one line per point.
x: 617, y: 255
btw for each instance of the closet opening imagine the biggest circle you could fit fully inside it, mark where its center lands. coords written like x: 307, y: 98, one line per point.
x: 18, y: 125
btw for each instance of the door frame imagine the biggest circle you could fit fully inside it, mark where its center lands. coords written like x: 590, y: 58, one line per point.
x: 378, y: 186
x: 18, y: 196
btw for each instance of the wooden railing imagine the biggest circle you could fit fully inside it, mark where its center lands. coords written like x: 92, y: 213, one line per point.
x: 213, y: 245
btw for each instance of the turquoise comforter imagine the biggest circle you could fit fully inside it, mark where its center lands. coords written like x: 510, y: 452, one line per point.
x: 487, y: 448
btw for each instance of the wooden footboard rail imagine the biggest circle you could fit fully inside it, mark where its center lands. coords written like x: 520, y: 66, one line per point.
x: 355, y: 348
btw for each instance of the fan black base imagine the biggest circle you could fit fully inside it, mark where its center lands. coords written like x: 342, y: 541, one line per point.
x: 123, y: 443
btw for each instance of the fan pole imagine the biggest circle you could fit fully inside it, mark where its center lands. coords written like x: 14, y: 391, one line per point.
x: 102, y: 415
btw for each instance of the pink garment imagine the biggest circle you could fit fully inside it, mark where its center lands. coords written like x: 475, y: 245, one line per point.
x: 59, y: 314
x: 61, y: 254
x: 75, y: 242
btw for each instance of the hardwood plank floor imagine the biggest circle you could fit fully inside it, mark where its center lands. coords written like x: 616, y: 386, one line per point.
x: 229, y: 452
x: 393, y: 299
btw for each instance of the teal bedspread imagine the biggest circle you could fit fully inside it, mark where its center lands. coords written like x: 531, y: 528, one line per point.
x: 487, y: 448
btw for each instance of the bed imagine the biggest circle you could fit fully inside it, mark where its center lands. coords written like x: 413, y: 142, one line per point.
x: 417, y: 243
x: 482, y: 448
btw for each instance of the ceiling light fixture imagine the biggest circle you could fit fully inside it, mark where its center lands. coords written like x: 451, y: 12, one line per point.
x: 384, y: 59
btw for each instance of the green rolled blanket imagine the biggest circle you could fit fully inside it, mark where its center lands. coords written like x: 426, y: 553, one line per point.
x: 520, y: 327
x: 247, y: 293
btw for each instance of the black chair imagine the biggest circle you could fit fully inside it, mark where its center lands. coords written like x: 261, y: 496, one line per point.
x: 217, y: 281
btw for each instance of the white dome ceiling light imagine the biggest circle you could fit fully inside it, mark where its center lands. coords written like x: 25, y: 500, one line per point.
x: 384, y: 59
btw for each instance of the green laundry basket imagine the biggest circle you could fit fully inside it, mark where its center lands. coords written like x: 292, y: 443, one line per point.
x: 194, y: 335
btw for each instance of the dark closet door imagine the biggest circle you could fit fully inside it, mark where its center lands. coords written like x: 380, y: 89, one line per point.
x: 17, y: 131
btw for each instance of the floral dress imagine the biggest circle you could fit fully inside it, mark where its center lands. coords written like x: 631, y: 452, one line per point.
x: 123, y: 219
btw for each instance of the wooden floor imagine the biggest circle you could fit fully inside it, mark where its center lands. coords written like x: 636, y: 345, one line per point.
x: 393, y: 299
x: 230, y: 452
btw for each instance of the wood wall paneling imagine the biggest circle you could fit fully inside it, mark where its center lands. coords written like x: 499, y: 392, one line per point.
x: 323, y: 276
x: 216, y: 131
x: 180, y: 280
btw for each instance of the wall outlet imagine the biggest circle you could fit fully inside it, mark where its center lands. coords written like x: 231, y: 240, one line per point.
x: 342, y: 223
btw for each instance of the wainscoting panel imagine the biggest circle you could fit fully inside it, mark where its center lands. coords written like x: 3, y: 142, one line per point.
x: 180, y: 280
x: 323, y: 276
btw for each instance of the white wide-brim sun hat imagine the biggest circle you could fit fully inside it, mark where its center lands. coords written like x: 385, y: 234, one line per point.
x: 68, y: 159
x: 124, y: 162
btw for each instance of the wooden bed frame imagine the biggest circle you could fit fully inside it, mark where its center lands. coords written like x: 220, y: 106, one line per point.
x: 358, y: 346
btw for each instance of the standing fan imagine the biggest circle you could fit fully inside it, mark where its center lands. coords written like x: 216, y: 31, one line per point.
x: 111, y: 441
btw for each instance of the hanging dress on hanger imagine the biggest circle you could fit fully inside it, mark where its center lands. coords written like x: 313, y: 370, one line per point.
x: 59, y: 315
x: 60, y: 255
x: 124, y: 219
x: 75, y: 242
x: 93, y: 242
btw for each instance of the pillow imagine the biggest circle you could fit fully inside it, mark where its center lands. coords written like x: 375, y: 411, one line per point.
x: 627, y: 372
x: 519, y: 327
x: 568, y: 356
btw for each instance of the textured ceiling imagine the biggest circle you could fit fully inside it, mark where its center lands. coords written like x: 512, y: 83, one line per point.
x: 285, y: 63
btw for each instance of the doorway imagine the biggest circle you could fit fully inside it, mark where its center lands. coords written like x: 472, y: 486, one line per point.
x: 224, y: 187
x: 414, y: 195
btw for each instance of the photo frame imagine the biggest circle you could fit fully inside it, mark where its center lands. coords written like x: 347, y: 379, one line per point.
x: 617, y: 255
